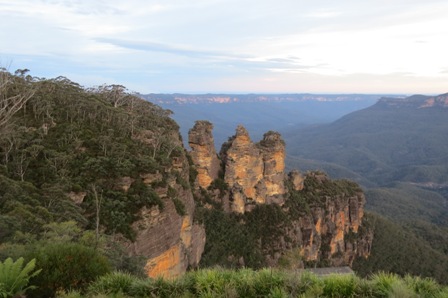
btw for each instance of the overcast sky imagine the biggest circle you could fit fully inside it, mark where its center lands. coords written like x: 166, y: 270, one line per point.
x: 198, y: 46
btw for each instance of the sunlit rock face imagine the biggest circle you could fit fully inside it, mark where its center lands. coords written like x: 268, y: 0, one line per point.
x: 272, y: 149
x: 254, y: 172
x: 203, y: 152
x: 243, y: 169
x: 332, y: 230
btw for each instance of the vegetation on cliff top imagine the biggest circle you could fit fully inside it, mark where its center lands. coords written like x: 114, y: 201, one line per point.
x: 67, y: 142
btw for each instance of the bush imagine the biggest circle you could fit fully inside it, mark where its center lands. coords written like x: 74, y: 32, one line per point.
x: 66, y: 266
x: 340, y: 286
x: 113, y: 283
x: 424, y: 287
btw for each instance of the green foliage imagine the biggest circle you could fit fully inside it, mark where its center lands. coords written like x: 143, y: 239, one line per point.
x: 112, y: 283
x: 340, y: 286
x: 228, y: 241
x: 67, y: 139
x: 14, y: 277
x: 66, y: 266
x: 180, y: 206
x: 424, y: 287
x: 405, y: 170
x: 398, y: 251
x: 247, y: 283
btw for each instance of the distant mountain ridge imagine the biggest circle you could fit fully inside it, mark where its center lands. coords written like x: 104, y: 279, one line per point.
x: 259, y: 112
x: 396, y: 139
x: 416, y: 101
x: 179, y: 98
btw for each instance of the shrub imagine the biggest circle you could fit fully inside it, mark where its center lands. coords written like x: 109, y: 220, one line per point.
x: 113, y: 283
x: 425, y: 287
x: 383, y: 282
x: 267, y: 280
x: 66, y: 266
x: 340, y: 286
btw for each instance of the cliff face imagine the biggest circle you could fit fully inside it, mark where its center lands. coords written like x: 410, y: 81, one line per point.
x: 321, y: 218
x: 167, y: 236
x: 332, y: 228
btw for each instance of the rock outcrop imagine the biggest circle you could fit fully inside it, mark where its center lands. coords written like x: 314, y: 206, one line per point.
x: 323, y: 226
x: 254, y: 172
x: 243, y: 164
x: 203, y: 152
x: 333, y: 225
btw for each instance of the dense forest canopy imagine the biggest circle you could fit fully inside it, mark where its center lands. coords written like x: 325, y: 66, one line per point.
x: 60, y: 142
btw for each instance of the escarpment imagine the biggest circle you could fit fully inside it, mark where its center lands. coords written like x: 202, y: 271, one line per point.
x: 309, y: 216
x: 168, y: 237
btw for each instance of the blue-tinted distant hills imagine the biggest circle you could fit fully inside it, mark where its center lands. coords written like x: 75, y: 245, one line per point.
x: 259, y: 113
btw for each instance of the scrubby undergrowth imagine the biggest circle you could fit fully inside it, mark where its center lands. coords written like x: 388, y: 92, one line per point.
x: 263, y: 283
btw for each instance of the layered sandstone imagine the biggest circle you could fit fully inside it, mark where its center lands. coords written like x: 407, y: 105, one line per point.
x: 254, y: 172
x: 203, y: 152
x: 170, y: 240
x: 243, y: 169
x: 330, y: 230
x: 272, y: 149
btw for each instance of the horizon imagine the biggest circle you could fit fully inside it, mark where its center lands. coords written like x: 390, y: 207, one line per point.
x: 230, y: 47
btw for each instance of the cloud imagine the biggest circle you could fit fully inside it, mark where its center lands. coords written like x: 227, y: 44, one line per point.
x: 175, y: 43
x: 165, y: 48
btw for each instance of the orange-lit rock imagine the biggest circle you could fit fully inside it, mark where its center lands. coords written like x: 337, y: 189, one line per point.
x: 256, y: 171
x: 203, y: 152
x: 243, y: 168
x: 167, y: 265
x: 273, y: 153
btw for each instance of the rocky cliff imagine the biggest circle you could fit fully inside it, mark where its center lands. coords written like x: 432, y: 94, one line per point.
x: 109, y: 162
x: 167, y: 236
x: 311, y: 216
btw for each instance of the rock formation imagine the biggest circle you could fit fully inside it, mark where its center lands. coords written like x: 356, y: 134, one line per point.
x: 328, y: 230
x: 254, y: 172
x: 203, y: 152
x: 333, y: 225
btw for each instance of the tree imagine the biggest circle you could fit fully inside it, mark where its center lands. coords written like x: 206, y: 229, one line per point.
x: 115, y: 94
x: 11, y: 103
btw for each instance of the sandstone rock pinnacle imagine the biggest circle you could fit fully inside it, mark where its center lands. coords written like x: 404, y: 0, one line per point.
x: 203, y: 152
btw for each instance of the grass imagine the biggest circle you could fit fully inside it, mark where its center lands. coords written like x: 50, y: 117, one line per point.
x: 219, y: 282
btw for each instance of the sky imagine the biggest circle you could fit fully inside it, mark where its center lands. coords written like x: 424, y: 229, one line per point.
x: 232, y: 46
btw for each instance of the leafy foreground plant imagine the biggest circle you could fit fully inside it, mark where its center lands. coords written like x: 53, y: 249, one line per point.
x: 14, y: 278
x: 247, y: 283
